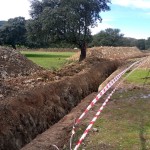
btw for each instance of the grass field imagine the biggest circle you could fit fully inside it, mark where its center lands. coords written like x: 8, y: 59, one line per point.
x: 48, y: 60
x: 140, y: 76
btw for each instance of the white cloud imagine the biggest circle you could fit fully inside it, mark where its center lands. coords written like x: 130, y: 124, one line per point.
x: 143, y: 4
x: 99, y: 27
x: 14, y: 8
x: 102, y: 26
x: 137, y: 35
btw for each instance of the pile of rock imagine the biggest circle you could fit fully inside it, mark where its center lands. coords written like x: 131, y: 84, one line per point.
x: 146, y: 63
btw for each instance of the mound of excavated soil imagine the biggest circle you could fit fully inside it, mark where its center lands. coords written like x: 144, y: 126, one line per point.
x: 146, y: 64
x: 23, y: 117
x: 111, y: 53
x: 11, y: 87
x: 13, y: 63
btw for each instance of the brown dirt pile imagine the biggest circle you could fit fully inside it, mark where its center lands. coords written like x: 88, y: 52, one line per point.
x: 22, y: 118
x: 11, y: 87
x: 112, y: 53
x: 13, y: 63
x: 146, y: 64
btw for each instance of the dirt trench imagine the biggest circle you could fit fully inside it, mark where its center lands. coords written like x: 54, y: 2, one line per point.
x: 24, y: 117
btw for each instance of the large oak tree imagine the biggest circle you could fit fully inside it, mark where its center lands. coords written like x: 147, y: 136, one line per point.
x: 64, y: 20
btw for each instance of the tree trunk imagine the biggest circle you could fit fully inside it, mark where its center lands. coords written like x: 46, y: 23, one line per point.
x: 83, y: 51
x: 13, y: 46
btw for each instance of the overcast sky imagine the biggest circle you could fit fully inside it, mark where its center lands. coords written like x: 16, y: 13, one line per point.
x: 132, y: 17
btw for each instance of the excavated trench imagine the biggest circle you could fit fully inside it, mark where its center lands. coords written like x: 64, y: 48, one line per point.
x: 31, y: 113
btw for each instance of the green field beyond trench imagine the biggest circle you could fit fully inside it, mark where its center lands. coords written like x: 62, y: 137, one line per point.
x: 48, y: 60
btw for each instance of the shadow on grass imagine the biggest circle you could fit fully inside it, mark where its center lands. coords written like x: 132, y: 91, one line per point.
x: 45, y: 56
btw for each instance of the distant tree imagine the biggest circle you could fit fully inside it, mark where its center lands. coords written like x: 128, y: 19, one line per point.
x: 13, y: 32
x: 141, y: 44
x: 147, y: 43
x: 108, y: 37
x: 127, y: 41
x: 35, y: 37
x: 1, y: 25
x: 63, y: 20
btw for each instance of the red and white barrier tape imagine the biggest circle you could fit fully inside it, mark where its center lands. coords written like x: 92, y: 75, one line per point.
x: 55, y: 146
x: 102, y: 107
x: 101, y: 93
x: 104, y: 90
x: 93, y: 120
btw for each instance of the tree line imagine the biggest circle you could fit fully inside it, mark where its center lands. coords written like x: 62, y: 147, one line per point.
x: 114, y: 37
x: 63, y: 23
x: 15, y: 32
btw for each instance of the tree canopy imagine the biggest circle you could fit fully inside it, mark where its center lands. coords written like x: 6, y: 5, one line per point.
x: 147, y: 43
x: 108, y: 37
x: 13, y: 32
x: 63, y: 20
x: 141, y: 44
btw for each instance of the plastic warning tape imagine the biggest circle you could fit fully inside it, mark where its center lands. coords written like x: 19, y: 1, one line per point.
x: 102, y: 107
x: 93, y: 120
x: 103, y: 91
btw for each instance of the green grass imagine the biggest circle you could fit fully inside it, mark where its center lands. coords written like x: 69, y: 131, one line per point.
x: 48, y: 60
x: 123, y: 125
x: 140, y: 76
